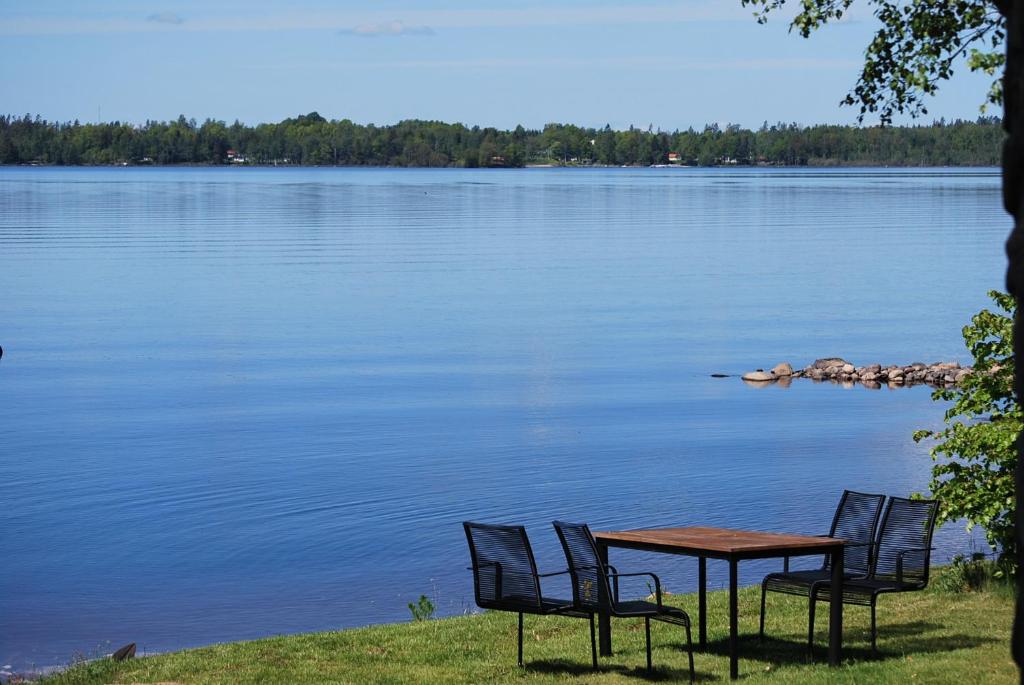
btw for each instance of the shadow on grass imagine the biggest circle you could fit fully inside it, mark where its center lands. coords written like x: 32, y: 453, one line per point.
x: 656, y: 675
x: 791, y: 649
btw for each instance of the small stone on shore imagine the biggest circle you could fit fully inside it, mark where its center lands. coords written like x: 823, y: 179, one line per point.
x: 124, y: 653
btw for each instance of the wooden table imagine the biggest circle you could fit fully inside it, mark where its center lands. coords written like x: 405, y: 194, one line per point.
x: 731, y: 546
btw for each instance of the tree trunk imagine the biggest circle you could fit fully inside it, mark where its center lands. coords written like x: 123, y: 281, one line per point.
x: 1013, y: 200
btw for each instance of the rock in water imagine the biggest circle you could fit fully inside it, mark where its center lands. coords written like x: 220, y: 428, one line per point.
x: 783, y: 369
x: 827, y: 362
x: 759, y: 375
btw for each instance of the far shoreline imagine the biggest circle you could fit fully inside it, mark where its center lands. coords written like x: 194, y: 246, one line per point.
x: 747, y: 167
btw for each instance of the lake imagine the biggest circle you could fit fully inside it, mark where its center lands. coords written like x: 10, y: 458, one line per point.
x: 244, y: 402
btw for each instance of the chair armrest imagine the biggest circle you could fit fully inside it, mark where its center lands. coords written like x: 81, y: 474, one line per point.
x: 785, y: 559
x: 614, y: 575
x: 902, y: 553
x: 549, y: 575
x: 657, y: 583
x: 483, y: 564
x: 556, y: 573
x: 499, y: 576
x: 849, y: 544
x: 589, y: 568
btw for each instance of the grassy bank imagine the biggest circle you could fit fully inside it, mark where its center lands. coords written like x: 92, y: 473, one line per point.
x: 927, y: 637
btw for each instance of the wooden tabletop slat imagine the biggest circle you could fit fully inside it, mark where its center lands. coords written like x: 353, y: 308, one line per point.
x: 721, y: 540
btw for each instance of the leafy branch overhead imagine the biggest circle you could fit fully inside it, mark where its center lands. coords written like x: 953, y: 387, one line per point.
x: 975, y: 454
x: 918, y: 44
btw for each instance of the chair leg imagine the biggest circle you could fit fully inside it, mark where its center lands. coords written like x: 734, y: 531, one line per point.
x: 647, y: 627
x: 689, y: 648
x: 593, y: 642
x: 520, y: 638
x: 810, y: 623
x: 764, y: 591
x: 874, y: 630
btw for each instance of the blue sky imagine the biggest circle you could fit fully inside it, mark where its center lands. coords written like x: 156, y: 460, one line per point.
x: 590, y: 62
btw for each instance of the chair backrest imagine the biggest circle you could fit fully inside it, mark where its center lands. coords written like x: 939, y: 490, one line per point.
x: 907, y: 524
x: 504, y: 570
x: 855, y: 521
x: 590, y: 588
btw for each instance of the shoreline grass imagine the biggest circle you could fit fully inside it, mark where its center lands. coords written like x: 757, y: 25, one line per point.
x: 933, y: 636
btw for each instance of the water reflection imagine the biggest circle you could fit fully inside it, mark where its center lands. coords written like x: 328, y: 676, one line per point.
x: 262, y: 401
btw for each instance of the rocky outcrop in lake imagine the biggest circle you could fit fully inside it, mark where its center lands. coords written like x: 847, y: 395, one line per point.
x: 838, y: 370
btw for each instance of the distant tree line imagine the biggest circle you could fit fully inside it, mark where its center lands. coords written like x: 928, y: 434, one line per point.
x: 313, y: 140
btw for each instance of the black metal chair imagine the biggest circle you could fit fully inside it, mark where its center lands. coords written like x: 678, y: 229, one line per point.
x: 902, y: 555
x: 854, y: 521
x: 592, y: 591
x: 505, y: 577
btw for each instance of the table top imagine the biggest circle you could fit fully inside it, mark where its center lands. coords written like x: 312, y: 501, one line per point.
x: 723, y: 542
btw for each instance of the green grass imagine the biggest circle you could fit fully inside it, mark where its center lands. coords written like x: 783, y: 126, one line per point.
x: 924, y: 637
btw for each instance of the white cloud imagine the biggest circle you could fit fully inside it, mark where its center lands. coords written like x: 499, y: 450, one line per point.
x: 651, y: 63
x: 375, y: 22
x: 389, y: 28
x: 166, y: 18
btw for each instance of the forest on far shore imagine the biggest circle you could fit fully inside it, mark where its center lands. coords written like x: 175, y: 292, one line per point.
x: 312, y: 140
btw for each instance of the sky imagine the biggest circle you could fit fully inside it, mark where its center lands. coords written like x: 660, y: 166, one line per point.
x: 666, y: 64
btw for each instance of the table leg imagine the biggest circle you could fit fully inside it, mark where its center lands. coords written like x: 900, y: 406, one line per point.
x: 835, y: 614
x: 604, y: 620
x: 702, y: 600
x: 734, y: 663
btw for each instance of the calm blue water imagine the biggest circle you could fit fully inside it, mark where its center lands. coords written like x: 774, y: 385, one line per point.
x: 246, y: 402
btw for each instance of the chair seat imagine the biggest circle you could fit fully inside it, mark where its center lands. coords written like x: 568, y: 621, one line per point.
x: 592, y: 590
x: 528, y: 605
x: 505, y: 578
x: 902, y: 538
x: 551, y: 605
x: 640, y: 608
x: 800, y: 582
x: 563, y: 607
x: 868, y: 586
